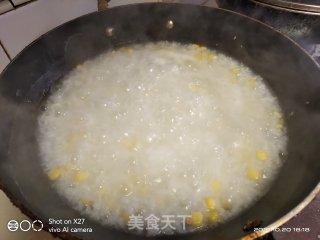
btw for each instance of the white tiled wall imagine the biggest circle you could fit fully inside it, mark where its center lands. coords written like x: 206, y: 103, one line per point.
x: 5, y: 5
x: 18, y: 2
x: 21, y: 26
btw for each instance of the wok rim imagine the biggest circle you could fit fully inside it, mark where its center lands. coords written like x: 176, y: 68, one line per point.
x: 255, y: 235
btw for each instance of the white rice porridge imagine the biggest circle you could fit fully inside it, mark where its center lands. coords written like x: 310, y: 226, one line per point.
x: 161, y: 129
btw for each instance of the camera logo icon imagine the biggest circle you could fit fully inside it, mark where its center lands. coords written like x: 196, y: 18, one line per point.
x: 13, y: 225
x: 25, y: 225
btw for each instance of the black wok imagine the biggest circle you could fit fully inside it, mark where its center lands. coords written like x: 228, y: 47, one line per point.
x: 291, y: 74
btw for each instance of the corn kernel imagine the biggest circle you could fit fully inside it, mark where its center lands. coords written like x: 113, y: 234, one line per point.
x: 216, y: 186
x: 126, y: 50
x: 129, y: 50
x: 142, y: 190
x: 80, y: 176
x: 202, y: 48
x: 236, y: 70
x: 194, y: 87
x: 252, y: 82
x: 111, y: 206
x: 277, y: 114
x: 160, y: 203
x: 124, y: 188
x: 254, y: 174
x: 279, y: 120
x: 124, y: 215
x: 199, y: 56
x: 211, y: 57
x: 210, y: 203
x: 226, y: 205
x: 213, y: 216
x: 261, y: 155
x: 79, y: 66
x: 72, y: 140
x: 195, y: 46
x: 87, y: 203
x: 131, y: 143
x: 102, y: 192
x: 74, y: 136
x: 205, y: 56
x: 71, y: 166
x: 197, y: 218
x: 55, y: 173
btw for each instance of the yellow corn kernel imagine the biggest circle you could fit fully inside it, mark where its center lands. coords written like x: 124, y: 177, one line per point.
x: 129, y: 50
x: 195, y: 46
x: 213, y: 216
x: 252, y: 82
x: 254, y: 174
x: 87, y: 203
x: 125, y: 188
x: 226, y: 205
x: 216, y: 186
x: 55, y: 173
x: 71, y: 166
x: 210, y: 203
x: 236, y: 70
x: 277, y: 114
x: 197, y: 218
x: 211, y: 57
x: 131, y: 143
x: 194, y: 87
x: 74, y: 136
x: 126, y: 50
x: 143, y: 190
x: 205, y: 56
x: 72, y: 140
x: 199, y: 56
x: 111, y: 206
x: 102, y: 192
x: 79, y: 66
x: 160, y: 203
x: 198, y: 47
x: 279, y: 119
x: 80, y: 176
x: 124, y: 215
x: 261, y: 155
x: 147, y: 94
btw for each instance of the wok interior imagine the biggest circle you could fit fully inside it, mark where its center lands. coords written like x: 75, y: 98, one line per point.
x: 290, y: 73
